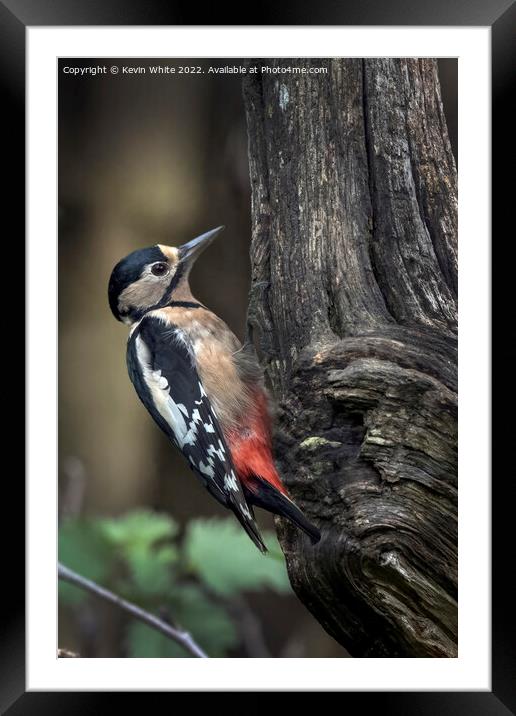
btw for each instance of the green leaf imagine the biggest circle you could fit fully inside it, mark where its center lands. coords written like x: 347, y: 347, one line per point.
x: 207, y: 622
x: 136, y: 537
x: 91, y: 546
x: 151, y: 569
x: 221, y: 554
x: 82, y: 548
x: 138, y: 529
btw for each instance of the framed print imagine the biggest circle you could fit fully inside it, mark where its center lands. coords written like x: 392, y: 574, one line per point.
x: 304, y: 368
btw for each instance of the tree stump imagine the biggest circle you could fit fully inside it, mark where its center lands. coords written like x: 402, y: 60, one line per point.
x: 353, y: 312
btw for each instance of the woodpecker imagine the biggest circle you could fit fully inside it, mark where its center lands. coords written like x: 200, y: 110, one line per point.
x: 202, y: 387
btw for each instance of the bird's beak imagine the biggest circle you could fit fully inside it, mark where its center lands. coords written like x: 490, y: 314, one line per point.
x: 189, y: 252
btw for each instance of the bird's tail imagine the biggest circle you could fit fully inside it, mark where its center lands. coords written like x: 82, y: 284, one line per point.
x: 246, y: 518
x: 262, y: 494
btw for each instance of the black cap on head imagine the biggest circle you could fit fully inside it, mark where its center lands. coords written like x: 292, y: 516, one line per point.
x: 129, y: 270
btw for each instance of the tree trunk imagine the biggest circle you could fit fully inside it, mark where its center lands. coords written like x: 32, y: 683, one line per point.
x: 353, y: 313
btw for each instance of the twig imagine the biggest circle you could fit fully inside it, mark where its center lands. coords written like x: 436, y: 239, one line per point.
x: 181, y: 637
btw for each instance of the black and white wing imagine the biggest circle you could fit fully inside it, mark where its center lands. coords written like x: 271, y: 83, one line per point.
x: 162, y: 369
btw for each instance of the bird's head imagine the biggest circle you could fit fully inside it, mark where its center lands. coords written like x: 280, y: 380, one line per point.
x: 151, y: 278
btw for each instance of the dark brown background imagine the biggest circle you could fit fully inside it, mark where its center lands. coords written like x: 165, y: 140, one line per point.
x: 147, y: 159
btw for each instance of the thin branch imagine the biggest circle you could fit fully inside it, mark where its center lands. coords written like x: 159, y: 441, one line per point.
x: 181, y: 637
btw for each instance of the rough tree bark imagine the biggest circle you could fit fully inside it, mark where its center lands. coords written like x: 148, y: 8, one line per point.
x: 353, y: 312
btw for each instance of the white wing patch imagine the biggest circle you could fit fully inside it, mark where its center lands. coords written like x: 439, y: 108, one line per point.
x: 230, y: 482
x: 175, y: 414
x: 220, y: 452
x: 206, y: 469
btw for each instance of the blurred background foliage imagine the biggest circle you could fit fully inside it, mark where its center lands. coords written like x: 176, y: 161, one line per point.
x: 147, y: 159
x: 196, y: 581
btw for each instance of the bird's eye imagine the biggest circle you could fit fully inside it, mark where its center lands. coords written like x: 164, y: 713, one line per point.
x: 159, y: 269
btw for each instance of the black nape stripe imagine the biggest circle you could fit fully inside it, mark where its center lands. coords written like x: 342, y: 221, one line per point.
x: 185, y: 304
x: 172, y: 286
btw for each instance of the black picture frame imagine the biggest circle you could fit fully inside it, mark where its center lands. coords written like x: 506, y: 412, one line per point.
x: 500, y: 15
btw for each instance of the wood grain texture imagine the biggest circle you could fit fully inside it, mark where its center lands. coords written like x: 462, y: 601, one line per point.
x: 353, y: 311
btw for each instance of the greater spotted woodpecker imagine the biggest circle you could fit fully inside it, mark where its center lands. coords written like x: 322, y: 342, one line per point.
x: 201, y: 386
